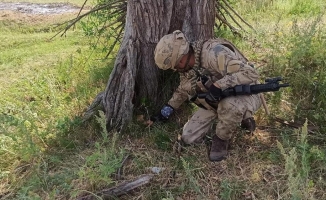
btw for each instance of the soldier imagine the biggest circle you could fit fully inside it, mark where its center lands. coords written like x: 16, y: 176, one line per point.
x: 207, y: 68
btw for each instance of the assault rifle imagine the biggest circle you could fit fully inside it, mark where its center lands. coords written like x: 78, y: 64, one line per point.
x: 271, y: 85
x: 202, y: 99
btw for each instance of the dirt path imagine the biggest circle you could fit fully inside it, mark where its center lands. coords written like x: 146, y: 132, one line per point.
x: 33, y: 8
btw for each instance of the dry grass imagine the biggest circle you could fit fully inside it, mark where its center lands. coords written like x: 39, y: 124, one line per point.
x: 248, y: 172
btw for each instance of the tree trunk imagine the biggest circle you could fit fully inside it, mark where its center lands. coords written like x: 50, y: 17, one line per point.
x: 135, y: 75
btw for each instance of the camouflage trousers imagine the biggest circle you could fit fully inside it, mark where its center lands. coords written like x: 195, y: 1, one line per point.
x: 229, y: 114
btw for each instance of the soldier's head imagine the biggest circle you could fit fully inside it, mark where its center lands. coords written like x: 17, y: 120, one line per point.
x: 170, y: 51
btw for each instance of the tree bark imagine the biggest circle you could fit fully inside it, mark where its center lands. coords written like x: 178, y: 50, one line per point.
x: 135, y: 75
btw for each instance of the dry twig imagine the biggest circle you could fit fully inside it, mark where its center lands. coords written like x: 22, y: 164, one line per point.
x: 121, y: 189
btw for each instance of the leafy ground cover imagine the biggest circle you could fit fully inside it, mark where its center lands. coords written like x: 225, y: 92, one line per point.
x: 47, y: 152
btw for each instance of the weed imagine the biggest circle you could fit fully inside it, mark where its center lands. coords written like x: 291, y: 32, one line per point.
x: 104, y: 161
x: 230, y: 190
x: 298, y: 163
x: 191, y: 179
x: 304, y: 70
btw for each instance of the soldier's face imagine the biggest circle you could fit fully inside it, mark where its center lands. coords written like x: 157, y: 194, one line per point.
x: 183, y: 64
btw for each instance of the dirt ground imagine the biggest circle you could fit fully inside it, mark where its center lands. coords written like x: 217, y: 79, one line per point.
x: 37, y: 13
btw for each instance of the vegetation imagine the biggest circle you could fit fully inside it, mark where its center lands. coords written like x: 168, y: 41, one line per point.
x: 47, y: 152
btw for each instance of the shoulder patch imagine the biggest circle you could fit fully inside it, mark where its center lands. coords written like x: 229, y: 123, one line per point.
x: 221, y: 62
x: 234, y: 66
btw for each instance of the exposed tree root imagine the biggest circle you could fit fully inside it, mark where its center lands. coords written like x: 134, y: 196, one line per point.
x: 96, y: 105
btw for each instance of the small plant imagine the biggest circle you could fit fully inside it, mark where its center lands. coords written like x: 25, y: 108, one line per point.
x: 189, y: 174
x: 298, y: 162
x: 104, y: 161
x: 227, y: 190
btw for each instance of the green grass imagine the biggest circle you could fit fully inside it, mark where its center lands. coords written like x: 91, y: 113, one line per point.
x: 46, y: 85
x: 24, y: 55
x: 49, y: 153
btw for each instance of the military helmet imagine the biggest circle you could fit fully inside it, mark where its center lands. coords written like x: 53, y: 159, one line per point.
x: 170, y: 49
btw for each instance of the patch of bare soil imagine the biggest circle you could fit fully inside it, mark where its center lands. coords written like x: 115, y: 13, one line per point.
x: 33, y: 13
x: 35, y: 8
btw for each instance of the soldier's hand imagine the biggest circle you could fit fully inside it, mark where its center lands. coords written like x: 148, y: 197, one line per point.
x: 214, y: 94
x: 163, y: 115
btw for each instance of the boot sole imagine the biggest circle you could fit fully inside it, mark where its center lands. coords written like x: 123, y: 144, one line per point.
x: 217, y: 160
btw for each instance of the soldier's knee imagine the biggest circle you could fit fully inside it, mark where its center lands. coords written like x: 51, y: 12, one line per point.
x: 191, y: 139
x: 187, y: 140
x: 225, y: 133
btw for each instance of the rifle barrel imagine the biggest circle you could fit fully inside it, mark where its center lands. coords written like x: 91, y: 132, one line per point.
x: 284, y: 85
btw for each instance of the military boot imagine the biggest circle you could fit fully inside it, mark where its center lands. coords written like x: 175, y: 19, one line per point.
x: 248, y: 124
x: 219, y: 149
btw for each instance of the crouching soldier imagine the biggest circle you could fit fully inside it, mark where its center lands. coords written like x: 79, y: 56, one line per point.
x: 207, y: 68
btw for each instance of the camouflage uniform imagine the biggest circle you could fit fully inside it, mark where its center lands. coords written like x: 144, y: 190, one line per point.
x: 222, y: 63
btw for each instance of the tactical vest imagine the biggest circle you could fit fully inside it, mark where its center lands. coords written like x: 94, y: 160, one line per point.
x: 206, y: 77
x: 204, y: 81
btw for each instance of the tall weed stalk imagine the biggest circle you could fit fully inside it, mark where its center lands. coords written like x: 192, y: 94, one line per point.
x: 298, y: 161
x: 189, y: 174
x: 299, y: 56
x: 104, y: 161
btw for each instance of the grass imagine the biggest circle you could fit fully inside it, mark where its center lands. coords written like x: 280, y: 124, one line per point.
x: 50, y: 154
x: 42, y: 99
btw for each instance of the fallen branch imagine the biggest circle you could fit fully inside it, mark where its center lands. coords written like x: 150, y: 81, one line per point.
x: 296, y: 125
x: 118, y: 175
x: 121, y: 189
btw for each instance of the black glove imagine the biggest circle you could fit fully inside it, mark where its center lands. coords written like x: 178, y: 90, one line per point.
x: 214, y: 94
x: 164, y: 114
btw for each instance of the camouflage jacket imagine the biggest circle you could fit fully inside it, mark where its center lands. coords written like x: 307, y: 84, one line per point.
x: 221, y: 62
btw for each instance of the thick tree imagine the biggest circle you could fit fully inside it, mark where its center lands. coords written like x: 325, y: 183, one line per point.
x: 135, y: 75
